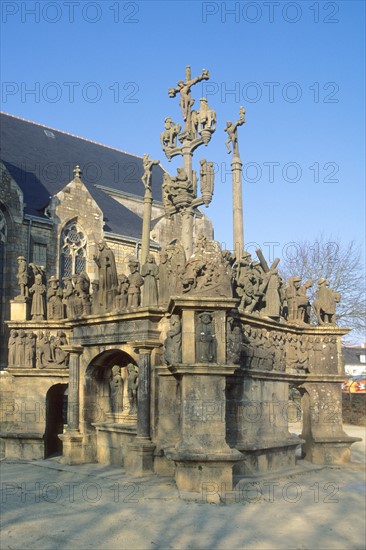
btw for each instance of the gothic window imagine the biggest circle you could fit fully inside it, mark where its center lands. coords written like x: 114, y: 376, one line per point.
x: 73, y: 250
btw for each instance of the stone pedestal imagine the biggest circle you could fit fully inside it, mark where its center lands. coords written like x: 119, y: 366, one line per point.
x: 326, y: 442
x: 20, y: 309
x: 257, y: 424
x: 139, y: 460
x: 202, y: 454
x: 72, y: 451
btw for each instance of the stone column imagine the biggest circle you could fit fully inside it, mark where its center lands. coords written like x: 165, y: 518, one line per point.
x: 238, y: 226
x: 72, y: 439
x: 187, y: 231
x: 143, y: 397
x: 145, y: 244
x: 139, y: 459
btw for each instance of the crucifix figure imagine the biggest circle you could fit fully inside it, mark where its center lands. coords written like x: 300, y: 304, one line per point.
x: 184, y: 89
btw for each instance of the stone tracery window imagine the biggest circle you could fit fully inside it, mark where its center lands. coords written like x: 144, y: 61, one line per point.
x: 73, y: 250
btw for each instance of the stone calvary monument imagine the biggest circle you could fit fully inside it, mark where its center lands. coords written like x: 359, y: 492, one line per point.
x: 182, y: 366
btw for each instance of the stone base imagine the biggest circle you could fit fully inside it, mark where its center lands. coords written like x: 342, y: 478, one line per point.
x: 19, y: 309
x: 72, y: 452
x: 197, y: 473
x: 329, y: 450
x: 122, y: 418
x: 270, y: 457
x: 113, y: 440
x: 29, y: 446
x: 139, y: 460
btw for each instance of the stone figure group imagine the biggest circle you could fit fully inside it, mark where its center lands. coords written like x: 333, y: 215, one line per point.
x: 29, y: 350
x: 209, y: 272
x: 263, y: 292
x: 262, y: 349
x: 116, y: 389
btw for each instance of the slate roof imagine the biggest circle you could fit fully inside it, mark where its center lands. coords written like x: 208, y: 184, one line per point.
x: 41, y: 161
x: 352, y: 354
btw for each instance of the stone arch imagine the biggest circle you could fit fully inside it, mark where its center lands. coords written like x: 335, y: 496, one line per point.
x: 97, y: 398
x: 56, y: 418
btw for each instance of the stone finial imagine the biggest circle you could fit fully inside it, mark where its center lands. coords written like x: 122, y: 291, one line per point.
x: 77, y: 171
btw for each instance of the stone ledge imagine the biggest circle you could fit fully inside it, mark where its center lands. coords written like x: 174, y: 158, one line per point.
x: 25, y: 371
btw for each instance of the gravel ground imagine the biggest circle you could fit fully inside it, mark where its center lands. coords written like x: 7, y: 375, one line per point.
x: 47, y: 505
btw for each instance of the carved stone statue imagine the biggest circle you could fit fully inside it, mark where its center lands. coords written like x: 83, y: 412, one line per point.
x: 38, y: 293
x: 173, y: 342
x: 184, y: 89
x: 121, y: 299
x: 116, y: 390
x: 234, y: 345
x: 207, y: 177
x: 22, y: 277
x: 296, y: 299
x: 82, y: 286
x: 12, y: 347
x: 150, y: 274
x: 305, y: 306
x: 274, y: 296
x: 71, y: 299
x: 95, y: 297
x: 133, y: 382
x: 164, y: 276
x: 135, y: 283
x: 107, y: 276
x: 232, y: 132
x: 30, y: 350
x: 55, y: 307
x: 147, y: 175
x: 20, y: 349
x: 60, y: 356
x: 325, y: 303
x: 168, y: 138
x: 44, y: 355
x: 205, y: 339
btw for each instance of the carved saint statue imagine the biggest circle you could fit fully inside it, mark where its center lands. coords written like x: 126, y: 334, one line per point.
x: 107, y: 276
x: 325, y: 303
x: 22, y: 277
x: 150, y: 273
x: 205, y: 339
x: 168, y: 138
x: 55, y: 307
x: 38, y: 293
x: 116, y: 390
x: 173, y: 342
x: 135, y: 283
x: 121, y: 299
x: 12, y: 347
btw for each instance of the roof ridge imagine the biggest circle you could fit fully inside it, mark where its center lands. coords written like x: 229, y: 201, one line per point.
x: 68, y: 134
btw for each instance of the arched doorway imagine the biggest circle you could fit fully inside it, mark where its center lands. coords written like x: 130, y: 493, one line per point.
x: 56, y: 418
x: 99, y: 410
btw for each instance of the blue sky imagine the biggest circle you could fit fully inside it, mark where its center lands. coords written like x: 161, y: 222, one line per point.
x: 297, y: 67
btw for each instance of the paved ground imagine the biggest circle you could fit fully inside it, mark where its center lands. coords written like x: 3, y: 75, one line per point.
x: 46, y: 505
